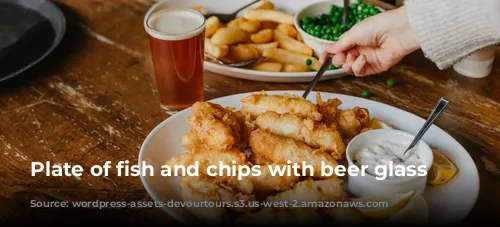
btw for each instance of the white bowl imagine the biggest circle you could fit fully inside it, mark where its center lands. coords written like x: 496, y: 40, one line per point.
x: 317, y: 44
x: 367, y: 185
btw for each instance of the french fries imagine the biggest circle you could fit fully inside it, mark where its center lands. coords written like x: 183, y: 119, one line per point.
x: 268, y: 24
x: 285, y: 56
x: 262, y: 31
x: 295, y: 68
x: 268, y: 67
x: 200, y: 9
x: 211, y: 26
x: 266, y: 5
x: 269, y: 15
x: 261, y: 47
x: 250, y: 26
x: 287, y: 30
x: 288, y: 43
x: 242, y: 53
x: 234, y: 23
x: 229, y: 36
x: 217, y: 51
x: 263, y: 36
x: 299, y: 38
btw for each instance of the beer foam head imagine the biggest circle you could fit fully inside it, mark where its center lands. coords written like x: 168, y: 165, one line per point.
x: 174, y: 24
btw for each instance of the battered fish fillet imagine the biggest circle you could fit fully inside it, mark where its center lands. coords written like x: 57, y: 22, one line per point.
x: 259, y: 160
x: 350, y: 122
x: 312, y: 191
x: 193, y: 191
x: 191, y: 142
x: 206, y: 158
x: 266, y: 182
x: 280, y: 149
x: 214, y: 192
x: 269, y: 215
x: 259, y: 103
x: 328, y: 109
x: 219, y: 128
x: 316, y: 135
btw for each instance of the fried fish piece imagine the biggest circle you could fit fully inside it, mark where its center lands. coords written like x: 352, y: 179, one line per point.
x: 217, y: 192
x: 266, y: 182
x: 328, y: 109
x: 219, y: 128
x: 312, y: 191
x: 282, y: 149
x: 207, y: 157
x: 191, y: 142
x: 259, y: 103
x: 202, y: 192
x: 258, y: 160
x: 270, y: 215
x: 314, y: 134
x: 351, y: 121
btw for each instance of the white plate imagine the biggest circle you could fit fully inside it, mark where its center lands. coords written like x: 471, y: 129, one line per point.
x: 448, y: 203
x: 225, y: 6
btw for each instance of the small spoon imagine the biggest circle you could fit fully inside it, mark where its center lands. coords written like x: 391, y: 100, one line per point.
x: 436, y: 112
x: 345, y: 16
x: 224, y: 18
x: 320, y: 73
x: 236, y: 64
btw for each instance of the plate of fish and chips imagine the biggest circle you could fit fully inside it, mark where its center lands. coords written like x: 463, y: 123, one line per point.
x: 265, y: 28
x: 278, y: 128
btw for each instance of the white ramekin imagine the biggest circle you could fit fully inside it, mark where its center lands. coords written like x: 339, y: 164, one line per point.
x: 368, y: 185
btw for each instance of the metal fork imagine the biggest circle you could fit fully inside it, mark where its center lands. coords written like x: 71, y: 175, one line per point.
x: 224, y: 18
x: 236, y: 64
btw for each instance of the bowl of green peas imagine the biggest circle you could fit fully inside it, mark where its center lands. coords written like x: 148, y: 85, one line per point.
x: 321, y: 23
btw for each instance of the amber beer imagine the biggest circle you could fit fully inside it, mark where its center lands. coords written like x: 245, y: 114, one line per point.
x: 177, y: 39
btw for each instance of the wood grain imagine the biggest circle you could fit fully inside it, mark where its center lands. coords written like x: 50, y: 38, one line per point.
x: 95, y: 99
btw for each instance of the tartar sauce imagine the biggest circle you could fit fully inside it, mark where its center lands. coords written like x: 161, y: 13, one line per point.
x: 382, y: 153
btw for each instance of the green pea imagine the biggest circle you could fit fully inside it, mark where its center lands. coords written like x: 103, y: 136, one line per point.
x: 312, y: 70
x: 374, y: 11
x: 309, y: 62
x: 390, y: 82
x: 332, y: 67
x: 366, y: 94
x: 306, y: 20
x: 317, y: 27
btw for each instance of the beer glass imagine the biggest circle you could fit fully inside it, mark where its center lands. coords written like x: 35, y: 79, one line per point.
x: 176, y: 39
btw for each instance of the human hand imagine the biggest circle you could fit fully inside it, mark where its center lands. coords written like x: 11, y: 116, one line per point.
x: 374, y: 44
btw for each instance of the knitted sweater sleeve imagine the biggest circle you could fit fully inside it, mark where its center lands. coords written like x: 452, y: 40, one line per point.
x: 449, y: 30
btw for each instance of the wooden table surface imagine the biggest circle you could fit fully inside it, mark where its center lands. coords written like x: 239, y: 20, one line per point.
x: 94, y: 99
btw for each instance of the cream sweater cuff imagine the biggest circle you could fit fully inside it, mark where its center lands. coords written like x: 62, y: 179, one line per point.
x: 449, y: 30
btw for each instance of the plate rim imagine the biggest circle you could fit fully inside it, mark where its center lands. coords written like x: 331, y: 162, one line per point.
x: 216, y: 100
x: 55, y: 42
x: 255, y: 75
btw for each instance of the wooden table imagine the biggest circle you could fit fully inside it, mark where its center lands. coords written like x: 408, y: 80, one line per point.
x: 95, y: 99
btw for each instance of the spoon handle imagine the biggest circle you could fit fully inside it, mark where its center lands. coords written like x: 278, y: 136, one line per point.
x: 345, y: 18
x: 249, y: 4
x: 214, y: 59
x: 438, y: 110
x: 320, y: 73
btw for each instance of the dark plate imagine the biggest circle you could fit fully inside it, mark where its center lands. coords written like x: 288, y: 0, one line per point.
x: 29, y: 31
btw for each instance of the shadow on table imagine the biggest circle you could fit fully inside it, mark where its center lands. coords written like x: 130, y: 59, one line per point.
x: 69, y: 45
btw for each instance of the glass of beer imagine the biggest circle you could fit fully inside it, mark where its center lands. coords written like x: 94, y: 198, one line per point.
x: 177, y: 42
